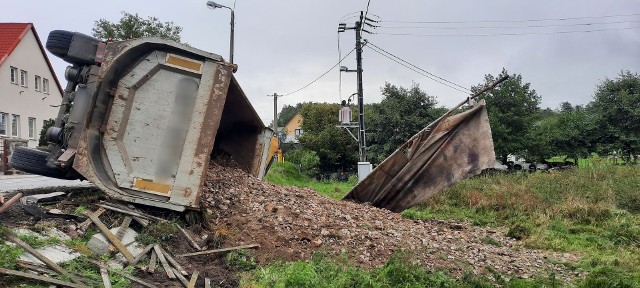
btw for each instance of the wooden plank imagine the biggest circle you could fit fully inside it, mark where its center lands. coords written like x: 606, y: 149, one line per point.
x: 123, y: 228
x: 153, y: 261
x: 207, y: 282
x: 163, y: 261
x: 220, y: 250
x: 142, y: 255
x: 194, y: 278
x: 191, y: 241
x: 40, y: 278
x: 36, y: 268
x: 105, y: 277
x: 136, y: 214
x: 184, y: 281
x: 86, y: 223
x: 112, y: 238
x: 173, y: 262
x: 42, y: 258
x: 132, y: 278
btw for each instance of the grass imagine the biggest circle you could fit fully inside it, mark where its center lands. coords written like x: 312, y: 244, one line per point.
x: 287, y: 174
x: 594, y: 211
x: 323, y: 271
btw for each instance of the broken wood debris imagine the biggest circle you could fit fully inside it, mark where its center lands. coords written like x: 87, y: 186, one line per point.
x: 220, y: 250
x: 84, y: 225
x: 194, y: 279
x: 42, y: 258
x: 35, y: 268
x: 163, y: 261
x: 207, y: 282
x: 191, y: 241
x: 112, y: 238
x: 173, y: 262
x: 105, y: 277
x: 184, y: 281
x: 152, y: 261
x: 142, y: 255
x: 132, y: 278
x: 40, y: 278
x: 132, y: 213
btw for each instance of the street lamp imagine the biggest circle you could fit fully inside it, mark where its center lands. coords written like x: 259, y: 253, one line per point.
x: 214, y: 5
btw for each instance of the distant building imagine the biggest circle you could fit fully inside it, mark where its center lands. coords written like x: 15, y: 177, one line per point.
x: 293, y: 129
x: 28, y: 86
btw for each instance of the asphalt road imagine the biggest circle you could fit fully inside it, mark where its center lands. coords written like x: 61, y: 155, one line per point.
x: 10, y: 183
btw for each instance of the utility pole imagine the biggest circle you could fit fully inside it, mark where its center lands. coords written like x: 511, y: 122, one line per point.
x: 275, y: 112
x: 361, y: 135
x: 358, y: 27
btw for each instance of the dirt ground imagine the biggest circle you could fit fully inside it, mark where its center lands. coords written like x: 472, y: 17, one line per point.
x: 292, y: 223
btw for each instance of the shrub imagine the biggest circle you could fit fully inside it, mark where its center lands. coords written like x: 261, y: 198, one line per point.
x: 519, y: 231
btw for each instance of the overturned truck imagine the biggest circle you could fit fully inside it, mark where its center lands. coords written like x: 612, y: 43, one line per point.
x: 140, y: 119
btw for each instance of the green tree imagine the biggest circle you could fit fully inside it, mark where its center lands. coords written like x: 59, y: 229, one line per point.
x: 616, y: 107
x: 333, y: 146
x: 401, y: 113
x: 287, y: 112
x: 133, y: 26
x: 42, y: 142
x: 512, y: 109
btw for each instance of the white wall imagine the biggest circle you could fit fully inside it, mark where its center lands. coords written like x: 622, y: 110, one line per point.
x: 30, y: 103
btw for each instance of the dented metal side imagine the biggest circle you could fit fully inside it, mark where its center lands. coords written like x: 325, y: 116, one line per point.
x: 454, y: 148
x: 158, y: 111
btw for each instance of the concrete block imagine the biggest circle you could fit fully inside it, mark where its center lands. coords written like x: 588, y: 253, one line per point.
x: 99, y: 244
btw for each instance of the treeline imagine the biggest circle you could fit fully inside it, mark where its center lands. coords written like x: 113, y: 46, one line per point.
x: 610, y: 122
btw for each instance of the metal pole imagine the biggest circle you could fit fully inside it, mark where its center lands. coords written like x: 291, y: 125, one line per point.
x: 233, y: 21
x: 361, y: 135
x: 275, y: 113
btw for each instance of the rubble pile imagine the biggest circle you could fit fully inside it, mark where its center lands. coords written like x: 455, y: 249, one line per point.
x: 291, y: 223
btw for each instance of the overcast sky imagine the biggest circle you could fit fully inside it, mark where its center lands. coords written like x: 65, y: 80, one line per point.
x: 283, y: 45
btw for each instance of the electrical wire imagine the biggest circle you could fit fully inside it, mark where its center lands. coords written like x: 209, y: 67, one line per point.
x: 505, y: 34
x: 507, y: 27
x: 418, y: 68
x: 323, y: 74
x: 417, y: 71
x: 511, y: 21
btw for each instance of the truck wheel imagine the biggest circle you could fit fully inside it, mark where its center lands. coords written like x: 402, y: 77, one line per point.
x: 59, y: 42
x: 35, y: 162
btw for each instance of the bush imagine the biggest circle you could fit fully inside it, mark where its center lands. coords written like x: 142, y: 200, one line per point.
x: 307, y: 161
x: 42, y: 141
x: 519, y: 231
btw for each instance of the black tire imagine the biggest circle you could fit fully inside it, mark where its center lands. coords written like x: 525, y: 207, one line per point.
x: 35, y: 162
x: 58, y: 42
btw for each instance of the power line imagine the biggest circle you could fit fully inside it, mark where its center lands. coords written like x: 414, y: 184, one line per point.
x: 418, y: 68
x: 508, y: 27
x: 365, y: 15
x: 505, y: 34
x: 417, y: 71
x: 511, y: 21
x: 323, y: 74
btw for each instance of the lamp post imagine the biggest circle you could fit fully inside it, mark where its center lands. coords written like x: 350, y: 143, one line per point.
x: 214, y: 5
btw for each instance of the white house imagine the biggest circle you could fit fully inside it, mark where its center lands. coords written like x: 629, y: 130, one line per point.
x: 28, y: 86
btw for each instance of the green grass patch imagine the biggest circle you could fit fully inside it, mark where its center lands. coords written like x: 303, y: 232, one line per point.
x: 594, y: 211
x: 323, y: 271
x: 286, y: 174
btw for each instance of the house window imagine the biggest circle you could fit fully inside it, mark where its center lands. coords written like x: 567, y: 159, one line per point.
x: 14, y: 75
x: 45, y: 85
x: 32, y: 128
x: 298, y: 131
x: 37, y: 85
x: 3, y: 124
x: 23, y: 78
x: 15, y: 125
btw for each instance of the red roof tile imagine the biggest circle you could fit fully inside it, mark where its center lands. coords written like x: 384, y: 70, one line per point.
x: 10, y: 36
